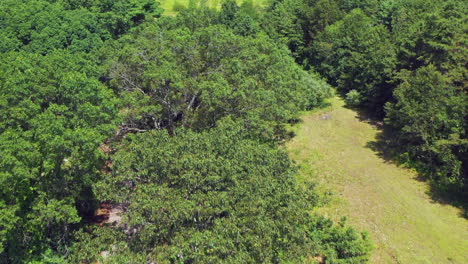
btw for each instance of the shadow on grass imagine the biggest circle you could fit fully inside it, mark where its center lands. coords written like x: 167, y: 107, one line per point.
x: 387, y: 147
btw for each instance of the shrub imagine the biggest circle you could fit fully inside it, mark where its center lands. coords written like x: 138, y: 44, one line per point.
x: 353, y: 98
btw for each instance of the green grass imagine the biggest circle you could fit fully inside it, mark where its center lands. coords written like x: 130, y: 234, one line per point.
x: 169, y: 5
x: 376, y: 195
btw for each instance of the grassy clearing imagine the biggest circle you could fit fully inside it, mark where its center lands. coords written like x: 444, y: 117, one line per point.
x: 331, y: 145
x: 171, y: 7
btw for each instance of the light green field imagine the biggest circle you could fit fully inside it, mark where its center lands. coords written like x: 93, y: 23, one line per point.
x: 405, y: 224
x: 170, y: 5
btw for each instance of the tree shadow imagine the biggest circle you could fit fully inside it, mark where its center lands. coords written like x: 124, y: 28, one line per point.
x: 389, y: 149
x: 385, y: 144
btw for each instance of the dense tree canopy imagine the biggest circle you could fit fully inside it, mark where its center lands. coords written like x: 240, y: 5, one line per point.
x: 217, y: 196
x: 375, y: 52
x: 357, y: 55
x: 429, y: 116
x: 173, y: 77
x: 178, y: 121
x: 204, y: 179
x: 40, y: 26
x: 53, y: 116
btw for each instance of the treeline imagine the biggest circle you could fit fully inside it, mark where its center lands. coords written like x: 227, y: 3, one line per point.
x: 404, y: 61
x: 177, y: 120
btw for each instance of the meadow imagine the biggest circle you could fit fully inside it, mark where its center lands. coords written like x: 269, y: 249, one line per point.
x: 172, y: 7
x: 333, y: 147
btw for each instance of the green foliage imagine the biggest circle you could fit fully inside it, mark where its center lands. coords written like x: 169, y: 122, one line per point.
x: 240, y: 20
x: 196, y: 78
x: 353, y: 98
x: 432, y: 34
x: 429, y: 115
x: 53, y: 116
x: 297, y: 23
x: 343, y: 245
x: 229, y: 10
x: 41, y: 26
x: 282, y: 24
x: 199, y: 190
x: 7, y: 222
x: 209, y: 182
x: 369, y: 6
x: 191, y: 18
x: 216, y: 196
x: 118, y: 16
x: 365, y: 49
x: 322, y: 14
x: 356, y: 55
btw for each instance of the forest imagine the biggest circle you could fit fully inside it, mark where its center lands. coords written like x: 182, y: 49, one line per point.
x: 178, y: 120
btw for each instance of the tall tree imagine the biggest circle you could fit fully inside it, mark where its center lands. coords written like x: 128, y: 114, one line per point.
x: 429, y: 115
x: 53, y: 116
x: 178, y: 77
x: 219, y: 196
x: 356, y: 54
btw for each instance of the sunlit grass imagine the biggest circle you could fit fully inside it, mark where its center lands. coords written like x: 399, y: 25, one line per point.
x: 171, y: 6
x: 331, y: 145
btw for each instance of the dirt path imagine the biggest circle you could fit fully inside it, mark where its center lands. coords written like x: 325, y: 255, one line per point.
x: 331, y: 145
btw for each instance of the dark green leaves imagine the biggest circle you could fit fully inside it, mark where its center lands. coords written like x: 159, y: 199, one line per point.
x: 217, y: 196
x: 429, y: 114
x: 41, y: 26
x: 179, y: 77
x: 54, y: 115
x: 357, y: 55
